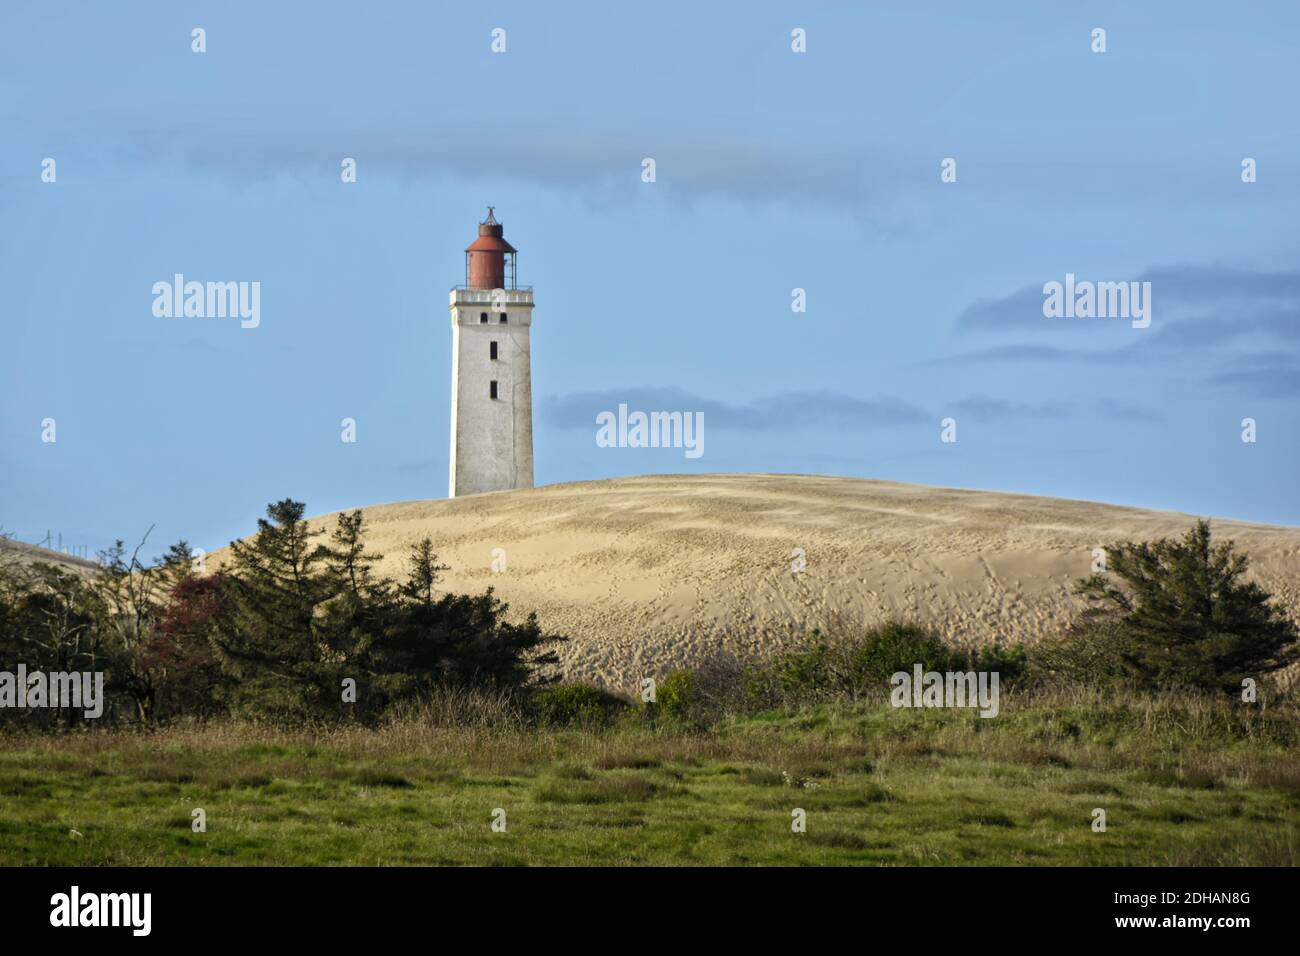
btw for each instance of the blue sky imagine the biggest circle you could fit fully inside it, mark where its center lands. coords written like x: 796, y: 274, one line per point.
x: 775, y: 170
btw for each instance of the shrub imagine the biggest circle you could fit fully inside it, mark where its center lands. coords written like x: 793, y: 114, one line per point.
x: 807, y: 673
x: 897, y: 647
x: 847, y: 665
x: 1087, y: 655
x: 1011, y: 662
x: 677, y: 696
x: 707, y: 691
x: 575, y: 705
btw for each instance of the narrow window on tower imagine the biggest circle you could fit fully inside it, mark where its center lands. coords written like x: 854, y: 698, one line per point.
x: 492, y: 351
x: 482, y: 318
x: 503, y: 318
x: 492, y: 389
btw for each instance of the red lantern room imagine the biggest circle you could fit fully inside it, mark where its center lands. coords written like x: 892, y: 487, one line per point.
x: 486, y: 265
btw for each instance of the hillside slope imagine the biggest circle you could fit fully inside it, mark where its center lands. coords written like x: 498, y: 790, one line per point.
x: 22, y: 553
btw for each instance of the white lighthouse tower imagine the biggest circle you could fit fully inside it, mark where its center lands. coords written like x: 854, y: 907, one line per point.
x: 491, y: 381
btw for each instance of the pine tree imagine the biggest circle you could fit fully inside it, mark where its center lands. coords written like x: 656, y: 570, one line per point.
x: 272, y: 640
x: 356, y: 617
x: 424, y: 571
x: 460, y: 639
x: 1178, y: 612
x: 176, y: 566
x: 347, y: 560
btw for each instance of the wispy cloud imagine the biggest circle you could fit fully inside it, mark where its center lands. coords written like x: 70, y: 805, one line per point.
x: 811, y: 410
x: 733, y: 166
x: 1269, y: 375
x: 1197, y: 306
x: 1226, y: 319
x: 999, y: 409
x: 803, y: 410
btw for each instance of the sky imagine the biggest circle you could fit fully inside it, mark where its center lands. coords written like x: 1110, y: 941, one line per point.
x: 775, y: 170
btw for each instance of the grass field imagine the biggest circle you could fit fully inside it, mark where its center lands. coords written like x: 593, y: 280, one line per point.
x: 1182, y: 781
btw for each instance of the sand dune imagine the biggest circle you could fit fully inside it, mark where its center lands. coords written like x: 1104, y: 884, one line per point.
x: 646, y: 573
x: 22, y: 553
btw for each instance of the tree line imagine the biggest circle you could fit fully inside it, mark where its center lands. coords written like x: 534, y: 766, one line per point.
x: 297, y: 626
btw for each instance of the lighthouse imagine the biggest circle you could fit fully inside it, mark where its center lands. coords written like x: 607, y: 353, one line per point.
x: 491, y: 380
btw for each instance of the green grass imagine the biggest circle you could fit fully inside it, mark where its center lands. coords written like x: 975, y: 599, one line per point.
x: 1182, y: 782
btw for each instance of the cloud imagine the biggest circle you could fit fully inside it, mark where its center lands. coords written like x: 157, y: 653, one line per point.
x: 1022, y: 309
x: 1126, y: 411
x: 1007, y: 353
x: 1192, y: 306
x: 1223, y: 318
x: 1268, y: 375
x: 738, y: 167
x: 1000, y: 408
x: 809, y: 410
x: 420, y: 466
x: 786, y: 410
x: 997, y: 409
